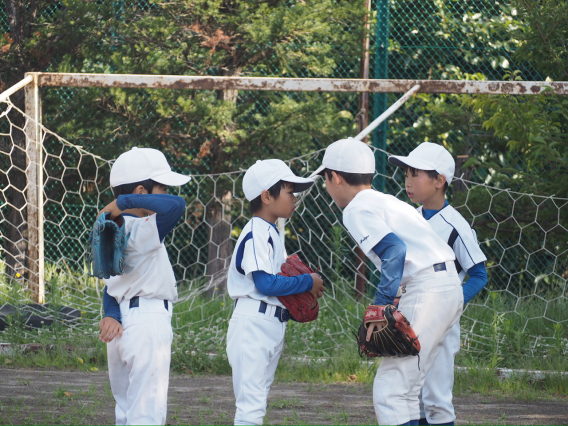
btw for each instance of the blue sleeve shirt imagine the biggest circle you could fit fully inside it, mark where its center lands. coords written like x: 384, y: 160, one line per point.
x: 168, y: 208
x: 278, y: 285
x: 392, y: 252
x: 476, y: 281
x: 110, y: 306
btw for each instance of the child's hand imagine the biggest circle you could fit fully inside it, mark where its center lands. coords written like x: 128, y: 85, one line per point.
x: 379, y: 325
x: 110, y: 328
x: 111, y: 208
x: 318, y: 288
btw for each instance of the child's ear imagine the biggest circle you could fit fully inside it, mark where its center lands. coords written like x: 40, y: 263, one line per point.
x: 265, y: 197
x: 139, y: 190
x: 440, y: 181
x: 336, y: 179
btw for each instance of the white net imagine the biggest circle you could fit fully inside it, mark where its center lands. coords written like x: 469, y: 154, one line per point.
x: 524, y: 309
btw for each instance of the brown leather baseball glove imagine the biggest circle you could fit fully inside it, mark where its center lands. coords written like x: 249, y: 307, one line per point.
x: 397, y: 338
x: 301, y: 306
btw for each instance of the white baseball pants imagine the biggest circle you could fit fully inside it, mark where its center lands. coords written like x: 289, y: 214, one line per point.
x: 254, y: 345
x: 436, y: 397
x: 432, y: 302
x: 139, y: 363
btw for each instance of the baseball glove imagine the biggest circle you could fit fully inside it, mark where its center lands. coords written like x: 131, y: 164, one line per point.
x: 107, y: 244
x: 300, y: 305
x: 397, y: 338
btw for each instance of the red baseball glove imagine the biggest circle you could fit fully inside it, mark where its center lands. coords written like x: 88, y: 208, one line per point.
x: 301, y: 306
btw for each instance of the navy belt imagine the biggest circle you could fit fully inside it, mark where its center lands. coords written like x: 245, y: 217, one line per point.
x: 440, y: 267
x: 135, y: 303
x: 281, y: 313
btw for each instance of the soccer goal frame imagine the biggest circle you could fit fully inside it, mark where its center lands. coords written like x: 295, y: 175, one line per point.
x: 35, y: 80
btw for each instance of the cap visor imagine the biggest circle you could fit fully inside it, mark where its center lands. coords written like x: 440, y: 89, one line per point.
x: 300, y: 183
x: 317, y: 173
x: 400, y: 161
x: 172, y: 179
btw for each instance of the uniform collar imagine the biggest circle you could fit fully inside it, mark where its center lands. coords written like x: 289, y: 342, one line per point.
x: 270, y: 223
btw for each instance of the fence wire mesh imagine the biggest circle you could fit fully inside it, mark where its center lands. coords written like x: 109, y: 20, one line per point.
x: 523, y: 310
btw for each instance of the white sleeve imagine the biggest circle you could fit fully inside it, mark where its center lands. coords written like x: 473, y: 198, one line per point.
x: 144, y: 236
x: 366, y: 228
x: 467, y: 250
x: 258, y: 253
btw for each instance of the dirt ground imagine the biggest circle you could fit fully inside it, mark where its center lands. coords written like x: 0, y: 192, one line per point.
x: 71, y: 397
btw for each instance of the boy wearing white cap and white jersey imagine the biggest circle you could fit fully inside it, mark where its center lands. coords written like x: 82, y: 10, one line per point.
x: 256, y: 330
x: 138, y: 305
x: 406, y: 249
x: 429, y: 170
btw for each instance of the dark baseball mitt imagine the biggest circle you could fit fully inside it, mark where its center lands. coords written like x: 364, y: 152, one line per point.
x: 303, y: 307
x: 397, y: 338
x: 107, y: 244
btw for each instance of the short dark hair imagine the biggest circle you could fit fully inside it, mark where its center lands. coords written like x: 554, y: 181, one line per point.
x: 128, y: 188
x: 353, y: 179
x: 274, y: 191
x: 432, y: 174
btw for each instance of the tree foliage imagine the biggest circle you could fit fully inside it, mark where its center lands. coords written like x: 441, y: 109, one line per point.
x: 218, y: 131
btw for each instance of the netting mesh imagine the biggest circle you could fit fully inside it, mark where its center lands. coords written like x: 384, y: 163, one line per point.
x: 523, y: 310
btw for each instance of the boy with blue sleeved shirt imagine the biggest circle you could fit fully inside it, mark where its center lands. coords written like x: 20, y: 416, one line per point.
x: 429, y: 169
x: 138, y: 305
x: 408, y: 252
x: 256, y: 330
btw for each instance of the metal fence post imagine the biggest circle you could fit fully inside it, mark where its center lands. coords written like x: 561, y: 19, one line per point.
x: 380, y: 99
x: 34, y: 193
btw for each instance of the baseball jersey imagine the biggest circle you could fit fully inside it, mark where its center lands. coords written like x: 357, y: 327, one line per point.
x: 371, y: 215
x: 451, y: 226
x: 260, y: 247
x: 148, y: 271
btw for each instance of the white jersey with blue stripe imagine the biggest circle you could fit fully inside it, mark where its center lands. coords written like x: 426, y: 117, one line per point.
x: 463, y: 242
x: 260, y: 247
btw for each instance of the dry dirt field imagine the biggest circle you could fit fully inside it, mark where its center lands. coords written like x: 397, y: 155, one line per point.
x: 71, y: 397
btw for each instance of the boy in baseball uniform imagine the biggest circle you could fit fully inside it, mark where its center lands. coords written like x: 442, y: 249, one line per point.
x: 429, y: 170
x: 138, y: 305
x: 401, y: 243
x: 256, y: 330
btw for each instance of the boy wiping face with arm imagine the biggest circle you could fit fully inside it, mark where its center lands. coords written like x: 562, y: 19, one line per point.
x: 406, y: 249
x: 429, y: 170
x: 256, y: 330
x: 139, y: 349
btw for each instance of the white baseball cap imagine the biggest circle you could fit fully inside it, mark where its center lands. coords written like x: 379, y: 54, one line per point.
x: 140, y: 164
x: 265, y: 173
x: 428, y: 156
x: 349, y: 156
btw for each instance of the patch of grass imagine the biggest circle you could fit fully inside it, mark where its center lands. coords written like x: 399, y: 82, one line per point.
x: 81, y: 408
x: 344, y: 367
x: 280, y: 404
x: 75, y: 355
x: 482, y: 379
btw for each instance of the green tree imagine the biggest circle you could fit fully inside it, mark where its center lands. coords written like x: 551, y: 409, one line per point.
x: 39, y: 32
x: 534, y: 127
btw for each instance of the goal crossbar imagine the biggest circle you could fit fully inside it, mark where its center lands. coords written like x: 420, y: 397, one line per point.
x: 142, y: 81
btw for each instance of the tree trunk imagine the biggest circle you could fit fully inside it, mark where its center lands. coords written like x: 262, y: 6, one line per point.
x: 219, y: 213
x: 220, y: 246
x: 458, y: 185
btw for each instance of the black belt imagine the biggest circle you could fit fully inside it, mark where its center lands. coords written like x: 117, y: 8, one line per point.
x: 135, y: 303
x: 440, y: 267
x: 282, y: 314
